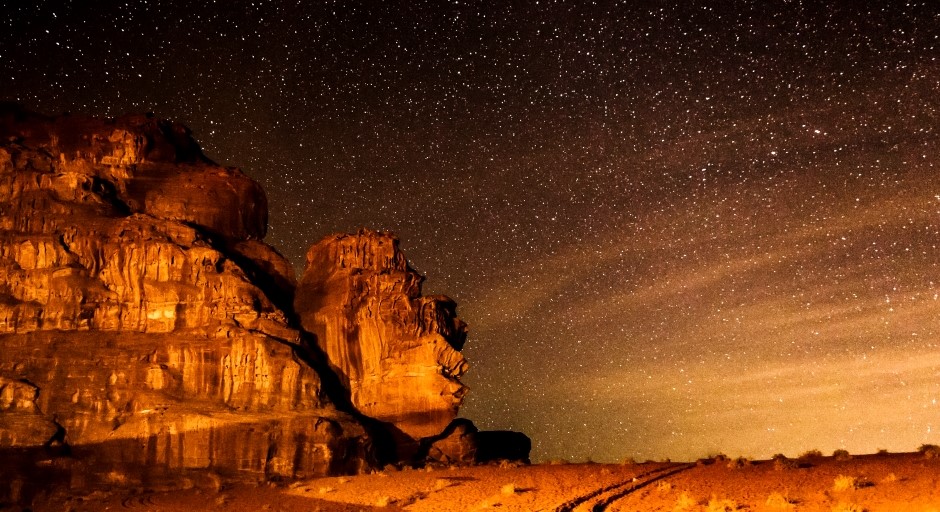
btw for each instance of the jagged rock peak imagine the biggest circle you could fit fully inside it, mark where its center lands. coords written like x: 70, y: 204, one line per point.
x: 131, y: 164
x: 376, y: 251
x: 129, y: 139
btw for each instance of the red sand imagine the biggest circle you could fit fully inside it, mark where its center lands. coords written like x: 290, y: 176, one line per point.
x: 897, y: 482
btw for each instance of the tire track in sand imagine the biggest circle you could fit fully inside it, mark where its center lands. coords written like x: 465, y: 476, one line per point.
x: 599, y: 499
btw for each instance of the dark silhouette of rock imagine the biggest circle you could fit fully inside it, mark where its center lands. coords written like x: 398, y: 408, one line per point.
x: 461, y: 443
x: 457, y: 444
x: 493, y: 445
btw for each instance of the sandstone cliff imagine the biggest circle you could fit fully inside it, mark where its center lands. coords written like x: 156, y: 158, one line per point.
x: 148, y: 331
x: 396, y: 351
x: 139, y: 310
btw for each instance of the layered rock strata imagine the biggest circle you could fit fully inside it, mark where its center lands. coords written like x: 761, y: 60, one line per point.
x: 139, y: 309
x: 147, y: 331
x: 396, y: 351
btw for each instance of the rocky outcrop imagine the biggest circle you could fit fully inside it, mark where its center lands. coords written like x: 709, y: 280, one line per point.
x: 456, y: 445
x: 461, y: 443
x: 396, y: 351
x: 141, y: 315
x: 148, y: 331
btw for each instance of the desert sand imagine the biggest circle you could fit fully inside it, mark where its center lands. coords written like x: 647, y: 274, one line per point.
x: 882, y: 482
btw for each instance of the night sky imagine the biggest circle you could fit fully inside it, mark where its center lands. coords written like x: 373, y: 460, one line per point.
x: 674, y: 228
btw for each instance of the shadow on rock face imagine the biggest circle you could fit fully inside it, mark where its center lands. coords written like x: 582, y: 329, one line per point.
x: 298, y: 447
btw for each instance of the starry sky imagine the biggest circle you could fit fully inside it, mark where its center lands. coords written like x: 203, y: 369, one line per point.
x: 675, y: 228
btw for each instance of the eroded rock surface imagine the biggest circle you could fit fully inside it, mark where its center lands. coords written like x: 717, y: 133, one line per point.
x: 140, y: 313
x: 396, y: 351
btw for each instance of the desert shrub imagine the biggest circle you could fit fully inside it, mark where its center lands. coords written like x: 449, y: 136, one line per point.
x: 739, y: 463
x: 629, y: 461
x: 716, y: 505
x: 684, y: 502
x: 842, y: 455
x: 779, y: 501
x: 890, y: 478
x: 720, y: 457
x: 848, y: 507
x: 845, y: 483
x: 384, y: 501
x: 664, y: 487
x: 781, y: 462
x: 811, y: 454
x: 882, y: 451
x: 930, y: 451
x: 508, y: 489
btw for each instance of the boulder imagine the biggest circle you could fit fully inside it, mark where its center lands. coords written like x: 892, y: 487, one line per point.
x: 456, y: 445
x: 461, y: 443
x: 493, y: 445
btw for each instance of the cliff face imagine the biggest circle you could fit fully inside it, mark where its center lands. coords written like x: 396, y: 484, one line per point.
x: 139, y: 310
x: 396, y: 351
x: 146, y: 328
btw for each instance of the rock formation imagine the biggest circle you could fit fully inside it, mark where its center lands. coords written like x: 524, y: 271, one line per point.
x: 139, y: 317
x: 147, y: 330
x: 461, y: 443
x: 396, y: 351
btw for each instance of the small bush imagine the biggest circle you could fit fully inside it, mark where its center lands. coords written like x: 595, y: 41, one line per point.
x: 848, y: 507
x: 384, y: 501
x: 890, y: 478
x: 811, y: 454
x: 508, y: 489
x: 664, y: 487
x: 781, y: 462
x: 929, y: 451
x: 845, y: 483
x: 779, y: 501
x: 739, y: 463
x: 684, y: 502
x: 882, y: 451
x: 842, y: 455
x: 716, y: 505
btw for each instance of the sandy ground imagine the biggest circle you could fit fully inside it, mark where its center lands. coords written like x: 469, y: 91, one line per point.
x: 887, y: 482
